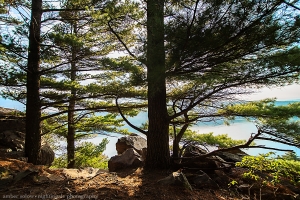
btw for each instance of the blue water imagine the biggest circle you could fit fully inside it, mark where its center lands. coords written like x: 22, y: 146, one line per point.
x: 239, y: 129
x: 6, y: 103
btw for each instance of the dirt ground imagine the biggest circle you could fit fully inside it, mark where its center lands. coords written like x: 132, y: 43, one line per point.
x: 127, y: 184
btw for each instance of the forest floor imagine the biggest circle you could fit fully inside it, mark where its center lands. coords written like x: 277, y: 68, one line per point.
x: 26, y: 183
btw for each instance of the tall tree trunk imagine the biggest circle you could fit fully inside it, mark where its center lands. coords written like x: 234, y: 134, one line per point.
x: 158, y: 153
x: 71, y: 108
x: 33, y: 104
x: 71, y: 132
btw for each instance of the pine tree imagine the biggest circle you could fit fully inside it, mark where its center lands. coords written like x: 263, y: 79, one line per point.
x: 33, y: 104
x: 83, y: 43
x: 200, y: 53
x: 68, y: 57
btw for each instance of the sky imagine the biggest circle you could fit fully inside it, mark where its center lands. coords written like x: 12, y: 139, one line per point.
x: 291, y: 92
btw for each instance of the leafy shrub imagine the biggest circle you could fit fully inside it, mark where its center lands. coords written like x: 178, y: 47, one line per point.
x: 87, y: 154
x: 277, y: 167
x: 222, y: 140
x: 90, y: 155
x: 290, y: 156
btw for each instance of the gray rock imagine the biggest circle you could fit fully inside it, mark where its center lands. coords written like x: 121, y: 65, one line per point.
x: 8, y: 111
x: 22, y: 174
x: 206, y: 164
x: 230, y: 157
x: 128, y: 159
x: 176, y: 178
x: 193, y: 150
x: 12, y: 123
x: 47, y: 155
x: 136, y: 142
x: 202, y: 180
x: 47, y: 177
x: 85, y: 173
x: 14, y: 140
x: 12, y: 136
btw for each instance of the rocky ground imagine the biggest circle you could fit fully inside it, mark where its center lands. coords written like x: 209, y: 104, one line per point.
x: 20, y: 180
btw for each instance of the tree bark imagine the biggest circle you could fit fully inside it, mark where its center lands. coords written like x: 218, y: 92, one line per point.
x: 33, y: 104
x: 158, y: 153
x: 177, y: 139
x: 71, y: 133
x: 71, y: 109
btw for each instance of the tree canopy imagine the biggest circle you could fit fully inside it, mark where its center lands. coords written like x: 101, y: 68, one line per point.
x: 213, y: 51
x: 190, y: 60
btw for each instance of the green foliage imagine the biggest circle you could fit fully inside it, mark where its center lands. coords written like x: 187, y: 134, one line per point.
x: 60, y: 162
x: 280, y: 121
x: 87, y: 154
x: 222, y: 140
x: 88, y: 125
x: 263, y: 108
x: 3, y: 10
x: 278, y: 168
x: 79, y: 79
x: 232, y: 183
x: 290, y: 156
x: 104, y: 123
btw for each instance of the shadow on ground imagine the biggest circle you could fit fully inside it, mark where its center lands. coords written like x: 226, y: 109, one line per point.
x: 20, y: 180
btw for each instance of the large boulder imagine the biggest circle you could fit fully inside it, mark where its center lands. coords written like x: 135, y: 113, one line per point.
x: 47, y: 155
x: 230, y: 157
x: 192, y: 150
x: 12, y: 138
x: 11, y: 119
x: 176, y: 178
x: 202, y: 180
x: 128, y: 159
x: 136, y: 142
x: 12, y: 130
x: 206, y: 163
x: 12, y: 145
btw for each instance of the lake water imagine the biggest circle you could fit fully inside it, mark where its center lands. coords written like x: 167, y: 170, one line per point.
x: 239, y: 129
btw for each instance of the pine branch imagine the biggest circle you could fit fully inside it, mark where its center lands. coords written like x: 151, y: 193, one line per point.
x: 270, y: 148
x: 279, y: 141
x: 66, y: 9
x: 292, y: 5
x: 120, y: 40
x: 246, y: 145
x: 128, y: 122
x: 225, y: 85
